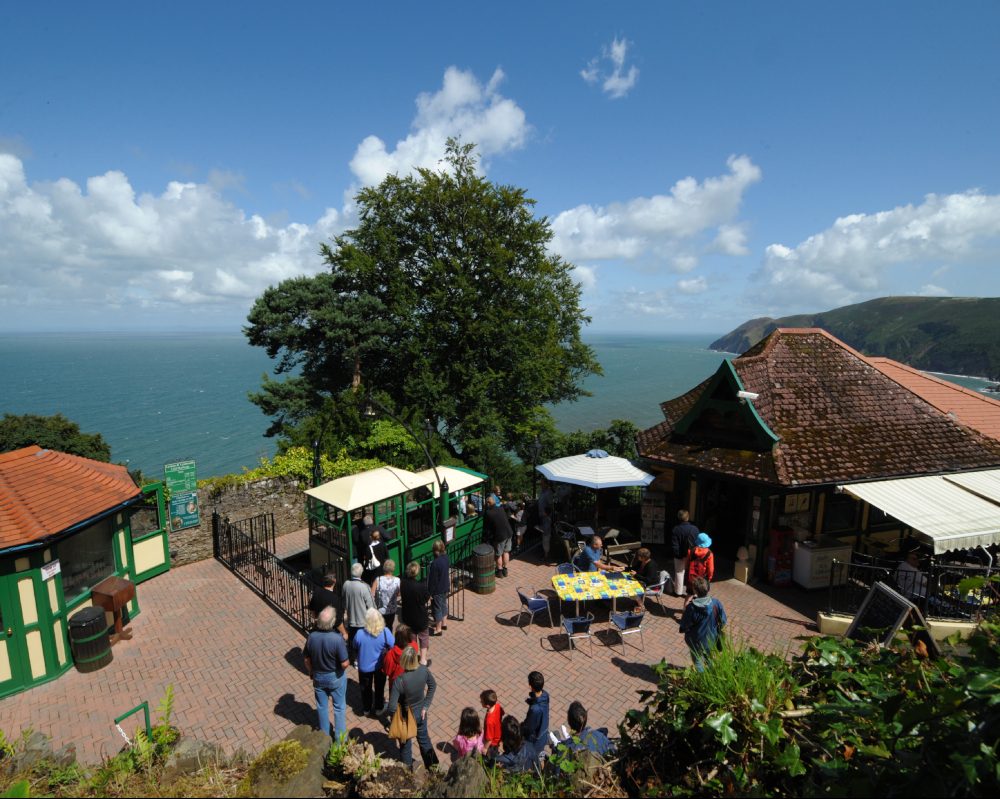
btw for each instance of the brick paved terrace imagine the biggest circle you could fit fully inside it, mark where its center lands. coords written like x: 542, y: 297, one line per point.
x: 237, y: 671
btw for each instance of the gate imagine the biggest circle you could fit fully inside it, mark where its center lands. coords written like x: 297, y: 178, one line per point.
x: 247, y: 549
x: 461, y: 571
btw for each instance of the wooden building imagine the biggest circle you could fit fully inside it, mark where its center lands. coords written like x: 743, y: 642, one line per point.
x: 67, y: 523
x: 780, y: 438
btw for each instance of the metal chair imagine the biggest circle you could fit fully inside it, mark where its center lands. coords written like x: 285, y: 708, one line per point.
x: 628, y: 623
x: 567, y: 569
x: 578, y: 628
x: 657, y: 591
x: 533, y: 603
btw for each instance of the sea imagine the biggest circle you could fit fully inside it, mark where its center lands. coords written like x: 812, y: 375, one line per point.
x: 166, y: 397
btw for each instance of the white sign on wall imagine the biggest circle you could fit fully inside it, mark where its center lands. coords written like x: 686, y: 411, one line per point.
x: 51, y: 569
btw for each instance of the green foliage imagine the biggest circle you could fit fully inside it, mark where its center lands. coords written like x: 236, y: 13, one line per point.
x: 444, y: 298
x: 19, y: 789
x: 295, y: 463
x: 281, y: 761
x: 51, y: 432
x: 338, y: 750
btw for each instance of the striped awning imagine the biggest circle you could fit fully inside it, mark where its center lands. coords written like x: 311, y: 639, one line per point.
x: 950, y: 511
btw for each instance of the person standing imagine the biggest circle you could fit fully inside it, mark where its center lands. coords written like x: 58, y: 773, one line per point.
x: 385, y: 592
x: 326, y: 597
x: 536, y: 723
x: 415, y: 688
x: 370, y: 644
x: 681, y: 540
x: 437, y: 586
x: 496, y: 531
x: 376, y: 555
x: 545, y: 508
x: 357, y: 601
x: 702, y: 623
x: 701, y: 562
x: 325, y: 656
x: 391, y: 669
x: 413, y: 598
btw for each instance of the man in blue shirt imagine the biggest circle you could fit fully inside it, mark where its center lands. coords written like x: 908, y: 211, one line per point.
x: 325, y: 655
x: 591, y: 557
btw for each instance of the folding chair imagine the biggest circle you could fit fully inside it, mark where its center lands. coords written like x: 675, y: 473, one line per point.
x: 533, y: 603
x: 628, y: 623
x: 657, y: 591
x: 578, y: 628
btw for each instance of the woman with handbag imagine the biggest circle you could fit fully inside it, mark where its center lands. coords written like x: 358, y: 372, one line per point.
x: 371, y: 643
x: 411, y: 696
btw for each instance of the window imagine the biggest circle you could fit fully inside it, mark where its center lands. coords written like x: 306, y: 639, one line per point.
x: 86, y: 558
x: 144, y: 517
x: 841, y: 513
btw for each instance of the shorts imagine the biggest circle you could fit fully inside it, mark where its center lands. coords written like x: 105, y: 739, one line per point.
x: 439, y: 607
x: 424, y: 639
x: 502, y: 546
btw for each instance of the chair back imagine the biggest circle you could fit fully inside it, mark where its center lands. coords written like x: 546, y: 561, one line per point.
x: 525, y: 596
x: 566, y: 569
x: 579, y: 624
x: 627, y: 620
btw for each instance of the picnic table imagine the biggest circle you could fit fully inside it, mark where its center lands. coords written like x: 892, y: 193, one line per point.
x: 595, y: 585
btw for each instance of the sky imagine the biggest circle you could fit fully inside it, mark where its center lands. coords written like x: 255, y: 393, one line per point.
x: 700, y: 163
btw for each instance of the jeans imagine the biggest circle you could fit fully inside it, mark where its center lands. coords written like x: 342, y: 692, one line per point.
x: 329, y: 686
x: 423, y: 739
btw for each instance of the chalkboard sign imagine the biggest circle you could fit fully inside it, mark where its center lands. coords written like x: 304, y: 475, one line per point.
x: 880, y: 616
x: 883, y: 613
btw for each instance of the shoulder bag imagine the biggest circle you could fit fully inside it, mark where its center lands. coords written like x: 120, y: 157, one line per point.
x: 403, y: 726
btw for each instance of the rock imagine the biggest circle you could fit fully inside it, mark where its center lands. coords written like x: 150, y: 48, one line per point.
x: 64, y: 757
x: 292, y: 768
x: 466, y: 777
x: 30, y: 752
x: 188, y: 756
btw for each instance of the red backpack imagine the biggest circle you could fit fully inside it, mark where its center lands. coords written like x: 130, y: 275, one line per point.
x: 698, y: 565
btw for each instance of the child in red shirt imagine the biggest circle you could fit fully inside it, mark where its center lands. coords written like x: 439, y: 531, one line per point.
x: 491, y: 724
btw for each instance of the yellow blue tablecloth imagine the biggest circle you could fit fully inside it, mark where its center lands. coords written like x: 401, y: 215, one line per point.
x: 595, y: 585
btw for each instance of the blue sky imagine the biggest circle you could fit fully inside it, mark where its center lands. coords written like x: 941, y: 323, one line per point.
x: 701, y: 163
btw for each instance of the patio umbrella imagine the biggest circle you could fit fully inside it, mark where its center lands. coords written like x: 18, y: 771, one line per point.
x: 595, y: 469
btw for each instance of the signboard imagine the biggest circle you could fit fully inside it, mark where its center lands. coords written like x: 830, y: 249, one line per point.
x: 182, y: 483
x: 51, y: 569
x: 881, y: 616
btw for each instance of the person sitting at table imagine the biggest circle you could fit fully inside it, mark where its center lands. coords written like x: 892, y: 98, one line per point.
x: 911, y: 581
x: 591, y: 557
x: 646, y: 572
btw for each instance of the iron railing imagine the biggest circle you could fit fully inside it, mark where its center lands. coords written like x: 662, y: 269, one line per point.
x: 461, y: 571
x: 934, y: 590
x: 246, y: 548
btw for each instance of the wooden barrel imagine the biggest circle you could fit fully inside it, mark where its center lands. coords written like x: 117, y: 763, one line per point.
x: 89, y: 639
x: 486, y: 565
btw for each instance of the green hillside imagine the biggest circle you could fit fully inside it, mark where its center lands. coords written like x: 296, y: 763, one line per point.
x: 960, y: 335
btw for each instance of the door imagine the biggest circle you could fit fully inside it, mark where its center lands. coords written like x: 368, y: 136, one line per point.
x: 13, y: 655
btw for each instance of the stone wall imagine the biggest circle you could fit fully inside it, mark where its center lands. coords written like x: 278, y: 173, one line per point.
x: 279, y: 496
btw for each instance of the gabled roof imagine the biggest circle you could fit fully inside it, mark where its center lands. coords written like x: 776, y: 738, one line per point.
x: 837, y: 418
x: 44, y: 492
x: 972, y: 408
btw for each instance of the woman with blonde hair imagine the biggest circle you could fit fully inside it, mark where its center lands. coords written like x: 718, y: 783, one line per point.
x: 385, y: 590
x: 415, y: 689
x: 370, y: 645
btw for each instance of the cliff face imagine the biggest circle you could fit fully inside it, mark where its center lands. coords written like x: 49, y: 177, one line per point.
x: 960, y: 335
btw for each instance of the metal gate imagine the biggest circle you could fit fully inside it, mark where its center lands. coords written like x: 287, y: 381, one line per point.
x: 247, y: 549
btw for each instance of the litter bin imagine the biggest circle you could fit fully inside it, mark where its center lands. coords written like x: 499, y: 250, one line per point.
x: 486, y: 569
x: 89, y: 639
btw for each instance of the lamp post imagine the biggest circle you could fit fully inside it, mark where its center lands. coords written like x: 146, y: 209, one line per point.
x: 536, y: 450
x: 442, y: 484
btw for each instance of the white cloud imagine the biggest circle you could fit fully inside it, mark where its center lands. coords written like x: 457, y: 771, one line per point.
x: 463, y: 108
x: 697, y: 285
x: 663, y: 225
x: 615, y: 80
x: 636, y: 302
x: 852, y: 260
x: 586, y: 276
x: 102, y: 244
x: 930, y: 290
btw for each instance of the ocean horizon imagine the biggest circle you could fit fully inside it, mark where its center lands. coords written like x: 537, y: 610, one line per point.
x: 160, y: 397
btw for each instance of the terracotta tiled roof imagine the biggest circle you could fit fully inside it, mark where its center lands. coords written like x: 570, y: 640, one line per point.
x: 838, y: 418
x: 43, y: 492
x: 972, y: 408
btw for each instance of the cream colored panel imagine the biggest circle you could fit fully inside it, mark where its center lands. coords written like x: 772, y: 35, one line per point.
x: 122, y: 550
x: 36, y: 655
x: 118, y: 519
x: 5, y: 672
x: 53, y: 596
x: 47, y: 555
x: 26, y: 592
x: 57, y: 631
x: 148, y: 554
x: 22, y: 565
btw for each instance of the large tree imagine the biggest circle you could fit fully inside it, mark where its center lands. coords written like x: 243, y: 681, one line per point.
x: 51, y: 432
x: 445, y: 300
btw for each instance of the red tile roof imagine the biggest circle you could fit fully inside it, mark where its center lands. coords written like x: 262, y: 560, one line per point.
x: 838, y: 418
x: 43, y: 492
x: 972, y: 408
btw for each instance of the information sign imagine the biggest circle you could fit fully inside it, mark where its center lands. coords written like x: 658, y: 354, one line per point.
x: 180, y: 477
x: 182, y: 483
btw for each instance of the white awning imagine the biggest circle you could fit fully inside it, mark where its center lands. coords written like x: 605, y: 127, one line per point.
x: 952, y: 511
x: 358, y: 490
x: 457, y: 479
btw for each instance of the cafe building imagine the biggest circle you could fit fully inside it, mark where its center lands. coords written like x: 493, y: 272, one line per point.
x: 802, y: 450
x: 69, y: 528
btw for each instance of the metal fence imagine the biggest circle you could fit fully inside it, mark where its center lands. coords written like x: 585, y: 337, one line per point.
x: 461, y: 572
x: 934, y: 590
x: 247, y: 548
